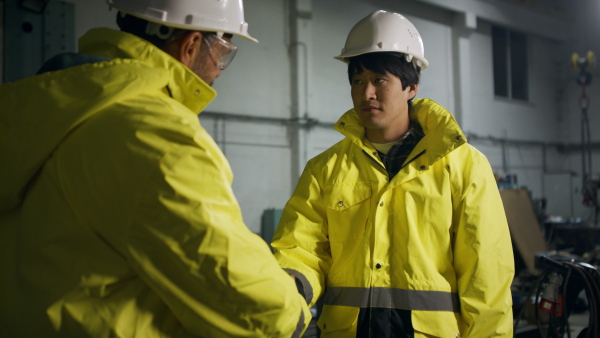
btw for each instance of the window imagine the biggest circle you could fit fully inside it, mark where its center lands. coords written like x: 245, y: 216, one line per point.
x: 510, y: 64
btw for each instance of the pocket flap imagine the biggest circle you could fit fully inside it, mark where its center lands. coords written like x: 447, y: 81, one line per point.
x: 344, y: 197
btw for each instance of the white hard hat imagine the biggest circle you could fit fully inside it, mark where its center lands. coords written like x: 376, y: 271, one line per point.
x: 383, y: 31
x: 226, y: 16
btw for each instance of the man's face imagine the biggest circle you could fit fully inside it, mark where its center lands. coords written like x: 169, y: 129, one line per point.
x: 380, y: 100
x: 206, y: 65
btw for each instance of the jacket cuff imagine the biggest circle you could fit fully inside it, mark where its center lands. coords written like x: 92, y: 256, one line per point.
x: 304, y: 287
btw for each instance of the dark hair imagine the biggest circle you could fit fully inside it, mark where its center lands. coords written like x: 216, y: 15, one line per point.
x: 382, y: 62
x: 137, y: 26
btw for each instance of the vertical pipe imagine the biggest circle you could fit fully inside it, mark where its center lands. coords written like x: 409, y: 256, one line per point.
x: 293, y: 130
x: 544, y: 158
x: 463, y: 26
x: 300, y: 12
x: 223, y: 136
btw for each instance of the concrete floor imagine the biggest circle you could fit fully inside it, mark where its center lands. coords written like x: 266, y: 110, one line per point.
x: 577, y: 322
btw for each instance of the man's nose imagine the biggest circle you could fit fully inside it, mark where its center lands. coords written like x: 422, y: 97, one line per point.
x: 370, y: 92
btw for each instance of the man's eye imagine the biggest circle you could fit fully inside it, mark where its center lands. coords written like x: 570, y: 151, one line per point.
x: 379, y: 80
x: 356, y: 82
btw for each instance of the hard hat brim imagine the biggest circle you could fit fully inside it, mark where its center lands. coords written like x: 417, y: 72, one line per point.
x: 345, y: 57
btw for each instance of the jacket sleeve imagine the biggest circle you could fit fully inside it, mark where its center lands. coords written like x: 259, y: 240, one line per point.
x: 300, y: 242
x: 190, y: 245
x: 483, y: 256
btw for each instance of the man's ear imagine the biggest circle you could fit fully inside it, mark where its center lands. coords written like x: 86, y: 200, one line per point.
x: 187, y: 48
x: 413, y: 89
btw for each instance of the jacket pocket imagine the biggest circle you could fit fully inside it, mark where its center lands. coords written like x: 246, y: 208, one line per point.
x: 437, y: 324
x: 338, y: 321
x: 348, y: 208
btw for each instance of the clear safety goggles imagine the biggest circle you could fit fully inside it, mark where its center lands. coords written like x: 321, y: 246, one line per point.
x: 224, y: 50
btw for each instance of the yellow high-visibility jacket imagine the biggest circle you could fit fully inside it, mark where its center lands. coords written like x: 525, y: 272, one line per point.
x: 433, y: 240
x: 117, y: 217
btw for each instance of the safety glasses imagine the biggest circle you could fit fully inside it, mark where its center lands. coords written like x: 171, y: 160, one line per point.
x: 224, y: 50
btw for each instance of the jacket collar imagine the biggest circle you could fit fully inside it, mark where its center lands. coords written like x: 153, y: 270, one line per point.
x: 442, y: 132
x: 184, y: 85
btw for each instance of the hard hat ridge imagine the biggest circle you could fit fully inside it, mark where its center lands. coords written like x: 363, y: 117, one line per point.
x: 383, y: 31
x: 202, y: 15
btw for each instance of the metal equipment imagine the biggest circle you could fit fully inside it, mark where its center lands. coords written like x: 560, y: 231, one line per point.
x: 556, y: 291
x: 589, y: 186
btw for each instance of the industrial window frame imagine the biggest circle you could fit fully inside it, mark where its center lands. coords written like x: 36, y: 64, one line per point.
x: 510, y: 50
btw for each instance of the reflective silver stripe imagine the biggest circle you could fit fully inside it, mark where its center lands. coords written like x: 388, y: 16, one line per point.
x: 300, y: 327
x: 393, y: 298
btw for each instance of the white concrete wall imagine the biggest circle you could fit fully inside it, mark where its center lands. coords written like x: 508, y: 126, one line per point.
x: 259, y: 83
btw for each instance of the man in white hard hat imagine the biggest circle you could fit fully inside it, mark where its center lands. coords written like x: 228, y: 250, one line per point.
x: 116, y: 209
x: 399, y: 227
